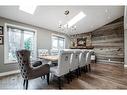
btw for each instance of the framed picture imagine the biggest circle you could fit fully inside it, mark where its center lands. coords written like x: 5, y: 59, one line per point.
x: 81, y: 41
x: 1, y: 40
x: 1, y: 30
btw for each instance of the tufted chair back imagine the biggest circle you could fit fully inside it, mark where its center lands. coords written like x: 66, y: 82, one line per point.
x: 88, y: 57
x: 42, y: 52
x: 27, y: 70
x: 64, y: 62
x: 76, y: 58
x: 74, y: 61
x: 23, y: 57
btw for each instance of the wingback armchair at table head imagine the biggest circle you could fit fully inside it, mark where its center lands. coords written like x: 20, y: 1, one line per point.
x: 63, y: 65
x: 27, y: 71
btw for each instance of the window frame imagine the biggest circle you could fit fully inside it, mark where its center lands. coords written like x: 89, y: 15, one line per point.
x: 6, y: 59
x: 59, y: 36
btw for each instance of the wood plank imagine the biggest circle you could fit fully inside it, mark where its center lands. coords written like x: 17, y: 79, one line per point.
x: 102, y: 76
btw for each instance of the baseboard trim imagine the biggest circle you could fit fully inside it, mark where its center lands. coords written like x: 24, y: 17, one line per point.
x: 9, y: 73
x: 110, y: 61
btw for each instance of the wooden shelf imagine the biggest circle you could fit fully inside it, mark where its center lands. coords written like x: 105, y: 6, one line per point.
x: 87, y: 47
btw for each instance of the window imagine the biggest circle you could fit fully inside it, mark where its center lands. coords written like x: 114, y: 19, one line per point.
x: 58, y: 42
x: 18, y: 38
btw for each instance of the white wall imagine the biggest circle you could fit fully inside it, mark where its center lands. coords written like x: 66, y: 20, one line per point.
x: 125, y: 36
x: 43, y: 41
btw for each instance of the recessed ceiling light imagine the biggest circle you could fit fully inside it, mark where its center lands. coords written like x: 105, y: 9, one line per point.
x: 75, y: 19
x: 27, y: 8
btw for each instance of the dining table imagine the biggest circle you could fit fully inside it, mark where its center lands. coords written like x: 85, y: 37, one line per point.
x: 53, y: 59
x: 50, y: 57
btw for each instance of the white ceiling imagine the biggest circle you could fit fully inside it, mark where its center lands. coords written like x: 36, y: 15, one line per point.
x: 49, y: 16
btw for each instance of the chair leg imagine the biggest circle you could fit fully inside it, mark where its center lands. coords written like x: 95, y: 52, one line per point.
x: 83, y: 69
x: 59, y: 82
x: 89, y: 67
x: 79, y: 71
x: 86, y: 68
x: 71, y: 75
x: 43, y: 77
x: 48, y: 75
x: 68, y: 77
x: 26, y: 84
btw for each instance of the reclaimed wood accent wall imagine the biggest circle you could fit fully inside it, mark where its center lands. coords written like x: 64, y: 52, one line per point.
x: 108, y: 42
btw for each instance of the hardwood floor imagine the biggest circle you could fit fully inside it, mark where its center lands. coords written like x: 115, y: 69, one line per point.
x: 102, y: 76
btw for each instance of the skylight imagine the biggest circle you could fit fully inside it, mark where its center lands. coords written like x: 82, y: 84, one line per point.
x: 27, y: 8
x: 75, y: 19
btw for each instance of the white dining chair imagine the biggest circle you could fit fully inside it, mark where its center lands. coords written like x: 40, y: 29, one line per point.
x: 74, y: 63
x: 88, y: 59
x: 63, y: 65
x: 42, y: 52
x: 54, y: 51
x: 82, y: 61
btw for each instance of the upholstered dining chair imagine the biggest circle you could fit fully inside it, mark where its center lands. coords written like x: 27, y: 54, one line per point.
x: 27, y: 70
x: 42, y: 52
x: 74, y: 63
x: 54, y: 51
x: 88, y: 59
x: 63, y: 66
x: 82, y: 61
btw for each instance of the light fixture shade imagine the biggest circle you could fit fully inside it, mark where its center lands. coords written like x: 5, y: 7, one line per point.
x: 68, y: 27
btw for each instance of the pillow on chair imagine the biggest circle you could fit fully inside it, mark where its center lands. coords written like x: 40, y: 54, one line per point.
x: 37, y: 63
